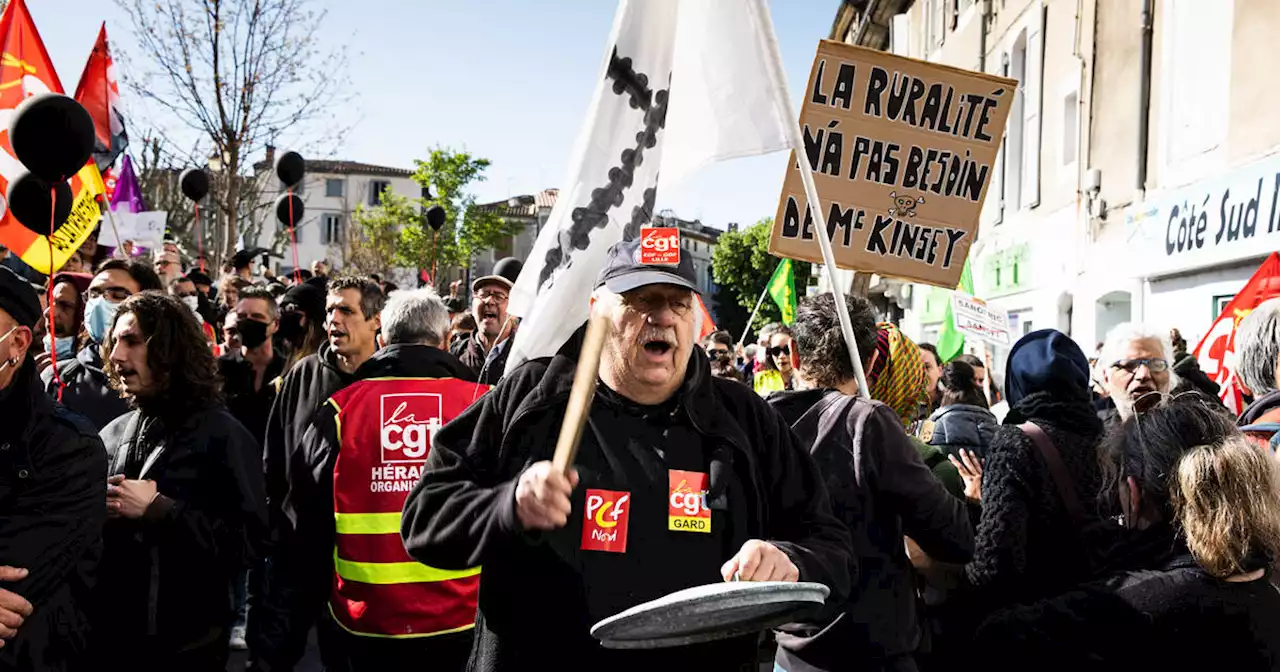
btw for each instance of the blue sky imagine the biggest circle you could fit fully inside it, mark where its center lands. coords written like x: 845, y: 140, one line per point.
x: 509, y: 80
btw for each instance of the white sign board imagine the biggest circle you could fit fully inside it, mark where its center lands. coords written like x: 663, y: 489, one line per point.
x: 975, y: 318
x: 140, y: 227
x: 1217, y: 220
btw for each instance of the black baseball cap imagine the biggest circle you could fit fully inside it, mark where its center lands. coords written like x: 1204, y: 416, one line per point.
x: 18, y: 299
x: 623, y: 271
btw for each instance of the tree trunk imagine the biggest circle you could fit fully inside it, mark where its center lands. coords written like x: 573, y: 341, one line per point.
x: 231, y: 204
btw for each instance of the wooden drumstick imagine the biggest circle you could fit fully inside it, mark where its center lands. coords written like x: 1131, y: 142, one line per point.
x: 584, y: 389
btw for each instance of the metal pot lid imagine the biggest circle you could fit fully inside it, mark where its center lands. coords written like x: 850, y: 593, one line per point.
x: 709, y: 613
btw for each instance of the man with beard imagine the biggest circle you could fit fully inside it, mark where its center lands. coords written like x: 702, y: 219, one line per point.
x: 486, y: 352
x: 51, y: 513
x: 68, y: 317
x: 281, y: 620
x: 185, y: 499
x: 1137, y: 362
x: 87, y: 391
x: 381, y: 615
x: 660, y: 428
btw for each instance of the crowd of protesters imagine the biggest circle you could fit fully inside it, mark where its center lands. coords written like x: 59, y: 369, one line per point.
x: 191, y: 465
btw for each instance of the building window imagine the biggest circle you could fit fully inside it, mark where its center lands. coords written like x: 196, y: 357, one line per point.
x: 1017, y: 125
x: 1070, y: 128
x: 333, y: 188
x: 1196, y: 91
x: 376, y: 187
x: 331, y: 229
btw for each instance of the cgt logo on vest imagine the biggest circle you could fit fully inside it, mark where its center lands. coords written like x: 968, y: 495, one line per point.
x: 409, y: 424
x: 604, y: 526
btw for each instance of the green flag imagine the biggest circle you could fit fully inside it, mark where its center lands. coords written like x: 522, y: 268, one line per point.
x: 950, y: 340
x: 782, y: 287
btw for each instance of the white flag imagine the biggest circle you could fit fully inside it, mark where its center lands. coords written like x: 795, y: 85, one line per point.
x: 684, y: 84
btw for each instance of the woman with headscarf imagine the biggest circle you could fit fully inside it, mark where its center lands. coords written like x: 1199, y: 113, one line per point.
x: 898, y: 380
x: 1040, y: 477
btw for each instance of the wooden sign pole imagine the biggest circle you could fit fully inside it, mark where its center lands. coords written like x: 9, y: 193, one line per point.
x: 584, y: 389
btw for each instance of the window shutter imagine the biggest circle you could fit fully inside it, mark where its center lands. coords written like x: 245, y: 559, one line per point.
x: 1034, y: 101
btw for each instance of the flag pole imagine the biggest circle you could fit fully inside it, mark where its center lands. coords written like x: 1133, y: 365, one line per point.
x: 773, y: 62
x: 751, y: 319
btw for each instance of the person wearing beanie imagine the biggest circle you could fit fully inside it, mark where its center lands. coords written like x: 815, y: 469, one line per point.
x: 301, y: 328
x: 53, y: 467
x: 1034, y: 535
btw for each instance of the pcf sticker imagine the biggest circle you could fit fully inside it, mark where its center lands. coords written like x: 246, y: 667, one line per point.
x: 604, y: 526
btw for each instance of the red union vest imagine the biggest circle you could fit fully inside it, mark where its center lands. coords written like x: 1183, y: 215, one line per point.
x: 385, y: 429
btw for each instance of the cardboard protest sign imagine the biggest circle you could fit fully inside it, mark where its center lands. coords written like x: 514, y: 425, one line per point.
x: 975, y: 318
x: 902, y: 153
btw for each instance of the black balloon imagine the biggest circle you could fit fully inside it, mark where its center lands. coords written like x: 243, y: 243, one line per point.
x: 52, y: 135
x: 282, y: 209
x: 195, y: 183
x: 509, y: 268
x: 29, y: 202
x: 435, y: 217
x: 290, y: 168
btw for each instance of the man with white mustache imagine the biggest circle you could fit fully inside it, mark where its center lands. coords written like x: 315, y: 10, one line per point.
x: 1137, y: 362
x: 681, y: 480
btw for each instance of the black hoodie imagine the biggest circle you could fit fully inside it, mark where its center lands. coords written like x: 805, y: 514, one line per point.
x: 541, y: 592
x: 882, y: 490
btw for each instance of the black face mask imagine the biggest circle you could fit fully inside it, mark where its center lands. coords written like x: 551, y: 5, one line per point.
x: 291, y: 327
x: 252, y: 333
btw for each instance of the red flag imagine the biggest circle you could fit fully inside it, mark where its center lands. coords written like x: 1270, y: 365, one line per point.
x: 1216, y: 351
x: 25, y: 70
x: 708, y: 324
x: 100, y: 95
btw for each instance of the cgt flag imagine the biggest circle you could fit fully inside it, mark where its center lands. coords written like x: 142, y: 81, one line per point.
x: 1216, y: 351
x: 100, y: 95
x: 680, y: 88
x: 25, y: 70
x: 782, y: 287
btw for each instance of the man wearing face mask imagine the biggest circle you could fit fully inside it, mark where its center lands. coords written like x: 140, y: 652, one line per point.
x: 660, y: 427
x: 184, y: 289
x: 87, y: 391
x: 68, y: 318
x: 247, y: 375
x: 51, y: 512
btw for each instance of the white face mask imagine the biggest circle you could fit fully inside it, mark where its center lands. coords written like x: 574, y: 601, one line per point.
x: 192, y: 302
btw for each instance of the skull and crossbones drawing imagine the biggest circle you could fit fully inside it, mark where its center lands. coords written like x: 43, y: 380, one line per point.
x: 904, y: 206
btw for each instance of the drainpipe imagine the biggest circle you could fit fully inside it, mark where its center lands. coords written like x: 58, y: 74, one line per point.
x: 1144, y: 97
x: 982, y: 35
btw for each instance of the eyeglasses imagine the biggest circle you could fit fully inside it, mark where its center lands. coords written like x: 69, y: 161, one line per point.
x: 779, y: 350
x: 1132, y: 365
x: 655, y: 302
x: 485, y: 295
x: 113, y: 294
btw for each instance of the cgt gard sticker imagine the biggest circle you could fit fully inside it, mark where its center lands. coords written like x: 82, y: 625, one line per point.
x: 604, y: 526
x: 687, y: 509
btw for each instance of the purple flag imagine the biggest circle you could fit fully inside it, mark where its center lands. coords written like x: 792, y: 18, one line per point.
x: 127, y: 190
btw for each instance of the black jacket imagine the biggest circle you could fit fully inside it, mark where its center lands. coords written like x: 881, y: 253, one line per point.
x: 1265, y: 405
x: 882, y: 490
x: 52, y: 507
x: 1172, y: 617
x: 961, y: 426
x: 1193, y: 378
x: 167, y: 577
x: 87, y: 390
x: 533, y: 597
x: 486, y: 366
x: 282, y: 611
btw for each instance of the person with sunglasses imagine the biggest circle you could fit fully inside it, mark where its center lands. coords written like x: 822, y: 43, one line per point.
x: 51, y: 510
x: 779, y: 372
x: 1189, y: 582
x: 1136, y: 361
x: 87, y: 390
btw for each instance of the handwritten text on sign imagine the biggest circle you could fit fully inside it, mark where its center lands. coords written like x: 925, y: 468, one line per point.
x: 975, y: 318
x: 902, y: 153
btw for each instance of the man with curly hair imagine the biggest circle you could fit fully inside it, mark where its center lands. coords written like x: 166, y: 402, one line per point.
x: 185, y: 498
x: 879, y: 486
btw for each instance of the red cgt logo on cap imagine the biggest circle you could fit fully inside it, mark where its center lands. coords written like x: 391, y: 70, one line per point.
x: 660, y: 246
